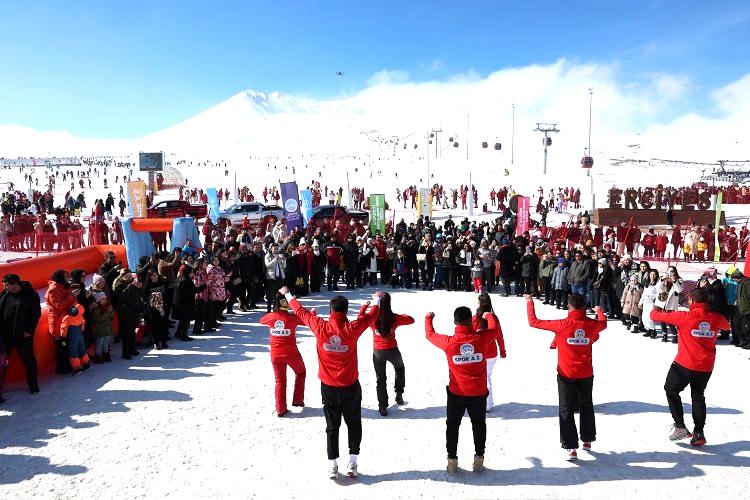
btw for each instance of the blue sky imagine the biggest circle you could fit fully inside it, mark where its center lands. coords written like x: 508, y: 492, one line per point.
x: 129, y: 68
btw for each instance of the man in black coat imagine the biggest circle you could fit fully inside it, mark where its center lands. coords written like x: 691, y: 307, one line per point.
x: 507, y: 256
x: 351, y: 258
x: 20, y: 311
x: 256, y: 274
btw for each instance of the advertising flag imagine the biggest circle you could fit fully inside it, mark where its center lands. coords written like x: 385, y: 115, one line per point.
x: 137, y: 199
x: 522, y: 221
x: 290, y: 198
x: 306, y: 205
x: 377, y: 213
x: 213, y: 204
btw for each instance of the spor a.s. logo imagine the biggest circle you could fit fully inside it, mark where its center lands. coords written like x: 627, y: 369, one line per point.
x: 279, y: 329
x: 467, y: 355
x: 579, y: 338
x: 703, y: 331
x: 334, y: 345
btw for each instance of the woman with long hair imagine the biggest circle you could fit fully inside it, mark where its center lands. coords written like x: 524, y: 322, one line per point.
x: 478, y: 322
x: 184, y: 302
x: 385, y: 350
x: 669, y: 300
x: 649, y: 296
x: 156, y: 315
x: 204, y: 320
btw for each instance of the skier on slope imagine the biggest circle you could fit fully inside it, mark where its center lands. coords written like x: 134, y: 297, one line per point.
x: 385, y: 349
x: 696, y: 353
x: 284, y: 352
x: 339, y: 378
x: 466, y: 352
x: 574, y: 337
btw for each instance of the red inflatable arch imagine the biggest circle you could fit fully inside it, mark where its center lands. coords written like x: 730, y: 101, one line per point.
x: 37, y: 271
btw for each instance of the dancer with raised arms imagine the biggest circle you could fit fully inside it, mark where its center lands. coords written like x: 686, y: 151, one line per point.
x: 466, y: 352
x: 338, y: 372
x: 385, y: 350
x: 479, y: 323
x: 574, y: 339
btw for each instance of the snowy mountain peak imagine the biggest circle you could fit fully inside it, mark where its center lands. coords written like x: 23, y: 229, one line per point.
x: 275, y: 102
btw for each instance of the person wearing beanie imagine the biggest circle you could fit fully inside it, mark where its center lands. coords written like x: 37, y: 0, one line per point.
x: 71, y: 333
x: 560, y: 283
x: 102, y: 326
x: 19, y: 314
x: 603, y: 286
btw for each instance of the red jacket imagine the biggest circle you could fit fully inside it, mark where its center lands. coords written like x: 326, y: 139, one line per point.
x: 336, y: 343
x: 380, y: 342
x: 282, y: 325
x: 466, y: 352
x: 492, y: 350
x: 574, y: 337
x: 696, y: 335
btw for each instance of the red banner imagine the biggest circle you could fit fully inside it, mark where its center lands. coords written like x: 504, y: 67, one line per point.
x: 522, y: 222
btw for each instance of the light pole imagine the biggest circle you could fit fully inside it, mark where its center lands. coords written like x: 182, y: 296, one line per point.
x: 546, y: 128
x: 513, y: 134
x: 591, y: 100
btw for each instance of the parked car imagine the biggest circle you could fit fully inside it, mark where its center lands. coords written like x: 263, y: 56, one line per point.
x: 177, y: 208
x: 327, y: 212
x: 253, y: 210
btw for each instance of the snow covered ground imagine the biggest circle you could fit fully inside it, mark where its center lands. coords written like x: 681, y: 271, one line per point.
x: 197, y: 421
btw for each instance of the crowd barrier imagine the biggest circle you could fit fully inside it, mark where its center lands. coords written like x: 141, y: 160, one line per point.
x: 46, y: 242
x: 37, y: 271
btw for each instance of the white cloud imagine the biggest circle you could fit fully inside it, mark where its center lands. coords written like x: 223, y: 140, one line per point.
x: 388, y: 76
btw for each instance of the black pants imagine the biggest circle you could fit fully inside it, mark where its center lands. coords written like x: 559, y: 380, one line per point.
x: 351, y: 276
x: 346, y: 402
x: 428, y: 275
x: 465, y: 279
x: 561, y: 298
x: 449, y: 277
x: 678, y: 378
x: 379, y: 359
x: 529, y: 285
x: 25, y: 348
x: 455, y: 409
x: 575, y: 393
x: 332, y: 277
x: 200, y: 316
x: 488, y: 278
x: 158, y: 325
x: 507, y: 277
x: 549, y: 292
x: 126, y: 332
x: 272, y: 287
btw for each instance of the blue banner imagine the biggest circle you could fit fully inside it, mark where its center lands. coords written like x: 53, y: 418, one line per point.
x: 213, y: 205
x: 306, y: 204
x: 290, y: 198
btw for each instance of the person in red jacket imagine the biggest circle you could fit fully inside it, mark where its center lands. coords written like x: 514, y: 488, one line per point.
x: 574, y: 339
x: 479, y: 323
x: 466, y: 352
x: 696, y: 353
x: 284, y: 353
x: 385, y: 350
x: 336, y: 341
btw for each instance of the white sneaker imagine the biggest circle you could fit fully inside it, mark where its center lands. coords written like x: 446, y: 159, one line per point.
x: 333, y: 471
x: 572, y: 455
x: 587, y: 446
x: 351, y: 469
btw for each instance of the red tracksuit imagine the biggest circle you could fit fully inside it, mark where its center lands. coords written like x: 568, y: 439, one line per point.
x: 284, y: 353
x: 696, y: 335
x: 574, y: 337
x: 466, y: 351
x: 389, y: 342
x: 336, y: 343
x: 492, y: 348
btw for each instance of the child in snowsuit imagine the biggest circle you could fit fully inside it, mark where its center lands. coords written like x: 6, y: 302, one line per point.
x: 71, y: 330
x: 476, y: 276
x: 102, y: 323
x: 560, y: 283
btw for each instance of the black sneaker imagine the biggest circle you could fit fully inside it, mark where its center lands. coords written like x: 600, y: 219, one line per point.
x: 698, y: 439
x: 383, y: 411
x: 34, y: 388
x: 399, y: 398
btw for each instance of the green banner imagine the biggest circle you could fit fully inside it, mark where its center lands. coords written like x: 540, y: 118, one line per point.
x: 717, y: 248
x: 377, y: 213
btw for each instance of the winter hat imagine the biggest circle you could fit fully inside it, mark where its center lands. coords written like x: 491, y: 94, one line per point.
x: 711, y: 271
x: 603, y: 261
x: 99, y: 296
x: 302, y: 241
x: 74, y: 311
x: 561, y: 261
x: 627, y: 256
x: 99, y: 279
x: 737, y: 274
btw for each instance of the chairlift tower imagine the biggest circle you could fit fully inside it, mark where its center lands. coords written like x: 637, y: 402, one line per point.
x: 546, y: 129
